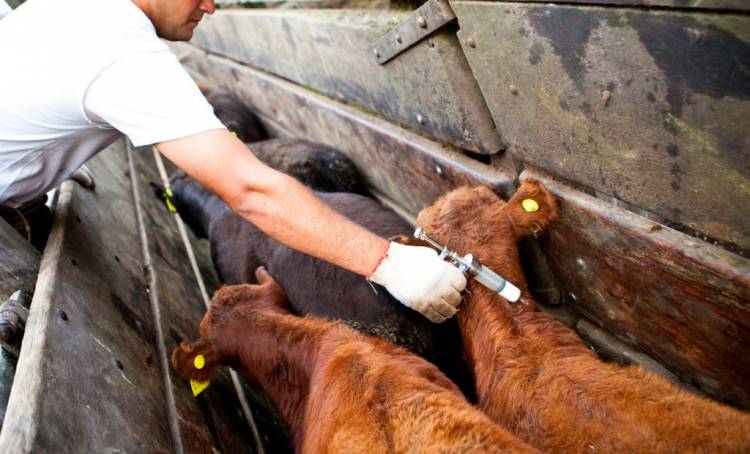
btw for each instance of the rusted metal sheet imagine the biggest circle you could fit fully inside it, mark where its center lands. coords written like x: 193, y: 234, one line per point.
x: 738, y: 5
x: 647, y: 106
x: 89, y: 377
x: 682, y: 301
x: 406, y: 168
x: 429, y: 87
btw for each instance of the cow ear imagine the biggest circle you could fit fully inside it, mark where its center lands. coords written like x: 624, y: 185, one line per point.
x: 532, y: 207
x: 263, y: 276
x: 196, y: 360
x: 408, y: 241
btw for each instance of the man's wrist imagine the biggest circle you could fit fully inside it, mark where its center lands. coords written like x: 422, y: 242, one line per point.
x: 384, y: 248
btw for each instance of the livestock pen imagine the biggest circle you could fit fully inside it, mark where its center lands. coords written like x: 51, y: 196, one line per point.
x: 632, y: 112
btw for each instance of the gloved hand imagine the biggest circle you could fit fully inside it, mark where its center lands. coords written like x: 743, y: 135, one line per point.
x: 420, y: 280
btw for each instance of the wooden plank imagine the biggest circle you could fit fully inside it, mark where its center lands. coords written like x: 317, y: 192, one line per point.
x: 612, y: 349
x: 647, y: 106
x: 732, y: 5
x: 86, y: 379
x: 682, y: 301
x: 429, y: 87
x: 408, y: 169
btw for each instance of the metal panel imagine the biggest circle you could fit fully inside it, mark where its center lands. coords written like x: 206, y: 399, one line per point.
x: 406, y: 168
x: 429, y: 87
x: 700, y: 4
x: 684, y: 302
x: 650, y: 107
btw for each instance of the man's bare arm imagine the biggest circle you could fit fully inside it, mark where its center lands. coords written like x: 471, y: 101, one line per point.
x: 276, y: 203
x: 290, y: 213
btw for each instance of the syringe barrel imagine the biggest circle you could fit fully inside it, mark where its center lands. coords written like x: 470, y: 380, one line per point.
x: 497, y: 284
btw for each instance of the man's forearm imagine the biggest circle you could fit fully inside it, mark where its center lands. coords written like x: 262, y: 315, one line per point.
x: 290, y: 213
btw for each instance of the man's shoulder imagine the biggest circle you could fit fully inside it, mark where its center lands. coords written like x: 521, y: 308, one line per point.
x: 81, y: 25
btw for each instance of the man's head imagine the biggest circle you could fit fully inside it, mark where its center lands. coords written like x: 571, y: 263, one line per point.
x: 175, y: 20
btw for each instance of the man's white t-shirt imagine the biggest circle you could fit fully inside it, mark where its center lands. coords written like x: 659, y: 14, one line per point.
x: 74, y: 76
x: 4, y: 9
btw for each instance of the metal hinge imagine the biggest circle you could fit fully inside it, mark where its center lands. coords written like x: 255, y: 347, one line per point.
x: 426, y: 19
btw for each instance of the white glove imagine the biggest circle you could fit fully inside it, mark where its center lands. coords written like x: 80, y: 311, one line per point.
x: 420, y: 280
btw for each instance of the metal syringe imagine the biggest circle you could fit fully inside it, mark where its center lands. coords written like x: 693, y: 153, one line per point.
x: 471, y: 266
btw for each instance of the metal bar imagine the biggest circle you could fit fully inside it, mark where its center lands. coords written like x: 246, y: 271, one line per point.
x: 425, y: 20
x: 153, y: 295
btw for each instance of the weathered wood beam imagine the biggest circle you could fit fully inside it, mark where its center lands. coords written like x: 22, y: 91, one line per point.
x: 88, y: 378
x: 429, y: 87
x: 405, y: 167
x: 612, y: 349
x: 647, y: 106
x: 682, y: 301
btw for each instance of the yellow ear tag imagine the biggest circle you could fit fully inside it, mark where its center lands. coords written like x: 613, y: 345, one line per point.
x: 234, y: 133
x: 530, y: 205
x: 198, y: 386
x: 168, y: 194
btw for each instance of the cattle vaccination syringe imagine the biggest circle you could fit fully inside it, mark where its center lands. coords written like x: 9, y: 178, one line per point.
x: 471, y: 266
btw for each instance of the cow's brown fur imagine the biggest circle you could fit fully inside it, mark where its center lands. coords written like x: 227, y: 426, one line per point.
x: 536, y: 377
x: 339, y: 390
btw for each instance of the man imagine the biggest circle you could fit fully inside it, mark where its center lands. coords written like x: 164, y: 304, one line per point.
x: 78, y: 74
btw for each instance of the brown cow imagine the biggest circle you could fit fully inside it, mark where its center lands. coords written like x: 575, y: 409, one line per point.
x: 536, y: 377
x: 339, y: 390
